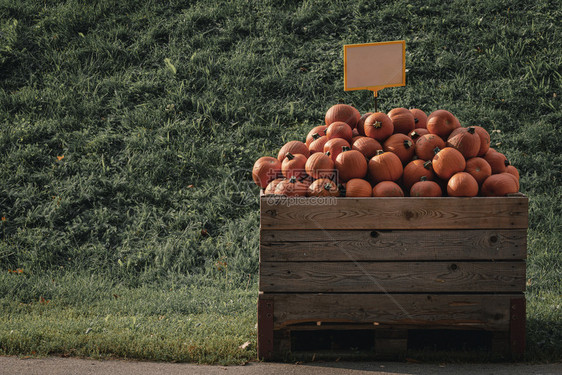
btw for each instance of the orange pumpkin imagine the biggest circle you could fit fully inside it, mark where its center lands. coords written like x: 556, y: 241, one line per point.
x: 291, y: 188
x: 357, y: 187
x: 367, y: 146
x: 323, y: 187
x: 514, y: 178
x: 265, y: 170
x: 293, y: 147
x: 426, y: 145
x: 478, y: 168
x: 344, y: 113
x: 484, y: 140
x: 402, y: 119
x: 426, y: 188
x: 420, y: 118
x: 462, y: 184
x: 385, y: 166
x: 417, y: 133
x: 378, y: 126
x: 447, y: 162
x: 442, y: 123
x: 361, y: 124
x: 350, y: 164
x: 293, y: 165
x: 466, y: 140
x: 511, y: 169
x: 319, y: 165
x: 335, y: 147
x: 339, y: 129
x: 270, y: 189
x: 401, y: 145
x: 318, y: 144
x: 497, y: 161
x: 498, y: 185
x: 415, y: 170
x: 387, y: 189
x: 318, y: 130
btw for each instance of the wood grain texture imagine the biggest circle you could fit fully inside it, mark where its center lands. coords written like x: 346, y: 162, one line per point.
x: 265, y: 327
x: 366, y: 245
x: 518, y: 318
x: 435, y: 311
x: 388, y: 277
x: 394, y: 213
x: 281, y: 346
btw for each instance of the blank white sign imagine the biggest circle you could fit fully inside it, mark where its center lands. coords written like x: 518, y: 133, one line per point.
x: 373, y: 66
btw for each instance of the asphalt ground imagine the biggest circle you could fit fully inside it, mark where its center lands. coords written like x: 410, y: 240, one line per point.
x: 71, y: 366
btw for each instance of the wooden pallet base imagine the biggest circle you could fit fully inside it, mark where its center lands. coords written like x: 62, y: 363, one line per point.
x: 475, y: 326
x: 387, y: 344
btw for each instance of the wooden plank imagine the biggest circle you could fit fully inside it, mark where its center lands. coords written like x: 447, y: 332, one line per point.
x: 517, y: 326
x: 366, y: 245
x: 501, y: 343
x: 281, y: 345
x: 434, y: 311
x: 331, y: 326
x: 383, y: 277
x: 265, y: 327
x: 394, y: 213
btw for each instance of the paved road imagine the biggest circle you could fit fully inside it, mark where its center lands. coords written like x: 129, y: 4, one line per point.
x: 74, y: 366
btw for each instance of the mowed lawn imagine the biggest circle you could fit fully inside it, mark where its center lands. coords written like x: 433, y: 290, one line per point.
x: 128, y: 130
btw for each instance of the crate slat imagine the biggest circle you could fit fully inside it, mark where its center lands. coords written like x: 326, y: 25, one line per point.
x: 395, y: 213
x: 367, y: 245
x: 456, y: 311
x: 266, y: 341
x: 517, y: 326
x: 383, y: 277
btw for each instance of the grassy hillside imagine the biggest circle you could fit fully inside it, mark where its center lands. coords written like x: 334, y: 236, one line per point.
x: 128, y: 130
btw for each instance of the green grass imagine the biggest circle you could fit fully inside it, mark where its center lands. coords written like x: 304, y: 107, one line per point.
x: 160, y: 110
x: 87, y: 315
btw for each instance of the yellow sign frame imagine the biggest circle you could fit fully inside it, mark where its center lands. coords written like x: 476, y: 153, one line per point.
x: 373, y: 88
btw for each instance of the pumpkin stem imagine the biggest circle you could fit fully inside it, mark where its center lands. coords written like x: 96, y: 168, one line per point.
x: 289, y: 156
x: 315, y: 136
x: 328, y: 186
x: 423, y: 178
x: 293, y: 180
x: 428, y: 164
x: 407, y: 143
x: 380, y: 152
x: 506, y: 162
x: 416, y: 120
x: 327, y: 153
x: 377, y: 124
x: 345, y: 148
x: 471, y: 130
x: 436, y: 150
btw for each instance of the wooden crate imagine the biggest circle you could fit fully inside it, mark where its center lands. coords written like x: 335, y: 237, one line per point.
x: 392, y: 266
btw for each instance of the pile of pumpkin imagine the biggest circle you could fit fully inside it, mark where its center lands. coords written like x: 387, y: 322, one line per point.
x: 402, y: 153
